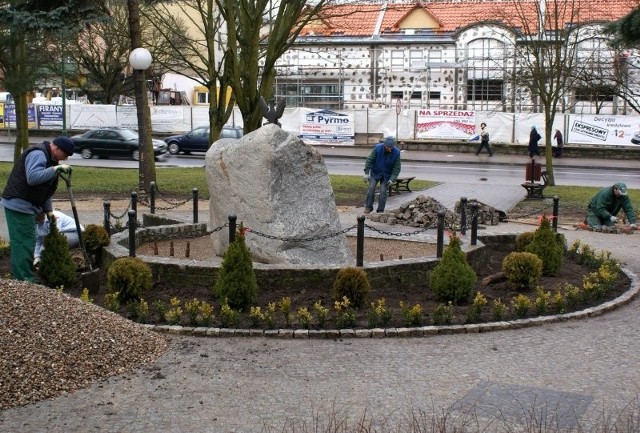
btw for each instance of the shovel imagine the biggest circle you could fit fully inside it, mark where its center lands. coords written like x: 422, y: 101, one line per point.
x: 91, y: 279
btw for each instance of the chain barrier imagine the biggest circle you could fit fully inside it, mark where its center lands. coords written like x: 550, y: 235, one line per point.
x: 126, y: 211
x: 317, y: 238
x: 173, y: 205
x: 217, y: 229
x: 386, y: 233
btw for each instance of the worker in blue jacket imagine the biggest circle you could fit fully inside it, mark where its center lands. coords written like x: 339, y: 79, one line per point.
x: 382, y: 166
x: 605, y: 205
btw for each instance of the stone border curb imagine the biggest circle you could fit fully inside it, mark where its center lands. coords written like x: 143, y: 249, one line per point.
x: 422, y: 331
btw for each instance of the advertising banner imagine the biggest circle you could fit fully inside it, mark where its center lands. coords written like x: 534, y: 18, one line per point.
x: 445, y: 124
x: 604, y: 129
x: 49, y: 116
x: 85, y: 116
x: 327, y: 127
x: 10, y: 116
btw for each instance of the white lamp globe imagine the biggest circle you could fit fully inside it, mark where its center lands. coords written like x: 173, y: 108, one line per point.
x: 140, y: 59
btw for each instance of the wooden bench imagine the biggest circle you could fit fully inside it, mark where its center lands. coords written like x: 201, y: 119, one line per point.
x: 401, y: 184
x: 536, y: 189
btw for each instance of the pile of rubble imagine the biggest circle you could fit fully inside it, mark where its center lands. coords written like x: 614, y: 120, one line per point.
x: 423, y: 212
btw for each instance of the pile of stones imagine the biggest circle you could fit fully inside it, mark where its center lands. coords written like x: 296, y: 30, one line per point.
x: 423, y: 212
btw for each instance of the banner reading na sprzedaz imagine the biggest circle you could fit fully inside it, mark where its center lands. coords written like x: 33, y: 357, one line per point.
x: 327, y: 127
x: 451, y: 124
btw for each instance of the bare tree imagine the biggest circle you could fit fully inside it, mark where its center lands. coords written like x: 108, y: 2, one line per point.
x: 548, y: 37
x: 27, y: 27
x: 252, y: 48
x: 196, y: 54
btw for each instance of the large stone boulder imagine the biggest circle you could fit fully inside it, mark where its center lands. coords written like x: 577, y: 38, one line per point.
x: 279, y: 188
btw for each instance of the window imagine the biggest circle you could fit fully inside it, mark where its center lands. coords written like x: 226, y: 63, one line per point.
x: 310, y: 94
x: 484, y: 90
x: 202, y: 98
x: 599, y: 93
x: 416, y: 60
x: 397, y: 60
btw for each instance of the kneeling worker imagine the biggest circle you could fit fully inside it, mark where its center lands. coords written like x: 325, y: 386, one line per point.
x: 605, y: 205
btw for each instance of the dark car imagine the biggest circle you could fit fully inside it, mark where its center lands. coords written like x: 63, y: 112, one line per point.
x: 106, y: 142
x: 197, y: 140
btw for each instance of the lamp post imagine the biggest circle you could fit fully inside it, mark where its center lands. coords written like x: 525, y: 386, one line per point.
x: 140, y: 60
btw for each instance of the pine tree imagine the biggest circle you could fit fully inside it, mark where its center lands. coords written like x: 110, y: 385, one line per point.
x: 56, y: 266
x: 237, y: 281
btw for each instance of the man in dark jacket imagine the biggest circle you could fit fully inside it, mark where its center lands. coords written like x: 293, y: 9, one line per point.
x: 32, y: 182
x: 605, y: 205
x: 382, y: 165
x: 534, y: 137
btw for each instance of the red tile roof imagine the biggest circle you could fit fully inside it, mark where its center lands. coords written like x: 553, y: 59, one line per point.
x: 361, y: 20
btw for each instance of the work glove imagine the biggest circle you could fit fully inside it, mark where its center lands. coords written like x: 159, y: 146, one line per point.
x: 51, y: 217
x: 613, y: 219
x: 633, y: 226
x: 389, y: 182
x: 365, y: 177
x: 36, y: 263
x: 63, y: 168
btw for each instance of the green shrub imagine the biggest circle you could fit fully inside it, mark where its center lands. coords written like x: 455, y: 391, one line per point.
x: 523, y: 270
x: 237, y: 281
x: 523, y: 240
x: 547, y: 246
x: 352, y: 283
x: 95, y: 237
x: 56, y: 265
x: 521, y: 305
x: 130, y: 276
x: 453, y: 279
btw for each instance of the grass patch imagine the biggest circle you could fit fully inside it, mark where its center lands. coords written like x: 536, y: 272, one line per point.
x: 179, y: 181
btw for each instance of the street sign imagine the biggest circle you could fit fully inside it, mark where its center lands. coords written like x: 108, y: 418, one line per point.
x: 398, y: 106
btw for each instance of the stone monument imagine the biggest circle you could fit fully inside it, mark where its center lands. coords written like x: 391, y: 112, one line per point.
x: 278, y: 186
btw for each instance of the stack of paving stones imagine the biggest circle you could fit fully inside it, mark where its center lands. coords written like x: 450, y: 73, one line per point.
x: 487, y: 215
x: 419, y: 212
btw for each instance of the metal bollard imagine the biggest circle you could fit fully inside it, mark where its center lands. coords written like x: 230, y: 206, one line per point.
x: 232, y: 228
x: 194, y: 195
x: 463, y: 216
x: 132, y: 233
x: 360, y: 242
x: 107, y: 216
x: 474, y: 223
x: 134, y: 201
x: 440, y: 244
x: 556, y: 200
x: 152, y: 197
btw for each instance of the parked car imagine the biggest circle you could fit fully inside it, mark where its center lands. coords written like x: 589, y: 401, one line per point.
x: 197, y: 140
x: 106, y: 142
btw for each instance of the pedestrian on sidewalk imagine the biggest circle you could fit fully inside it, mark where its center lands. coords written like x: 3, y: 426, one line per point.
x: 605, y: 205
x: 66, y: 225
x: 557, y: 151
x: 534, y: 137
x: 32, y: 182
x: 382, y: 166
x: 483, y: 136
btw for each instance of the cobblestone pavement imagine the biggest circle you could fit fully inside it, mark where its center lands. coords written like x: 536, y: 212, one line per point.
x: 573, y: 369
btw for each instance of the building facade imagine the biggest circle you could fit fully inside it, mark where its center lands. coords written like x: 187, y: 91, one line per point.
x: 464, y: 55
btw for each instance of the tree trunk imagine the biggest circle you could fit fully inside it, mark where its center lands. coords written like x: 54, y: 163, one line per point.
x: 147, y: 167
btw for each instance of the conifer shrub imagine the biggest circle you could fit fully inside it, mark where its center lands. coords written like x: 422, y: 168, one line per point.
x: 548, y: 247
x: 522, y: 269
x: 453, y: 279
x: 353, y: 283
x: 236, y: 281
x: 95, y: 237
x: 523, y: 240
x: 131, y: 277
x: 56, y: 265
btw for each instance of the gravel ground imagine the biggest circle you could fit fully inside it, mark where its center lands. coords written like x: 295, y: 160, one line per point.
x: 52, y: 344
